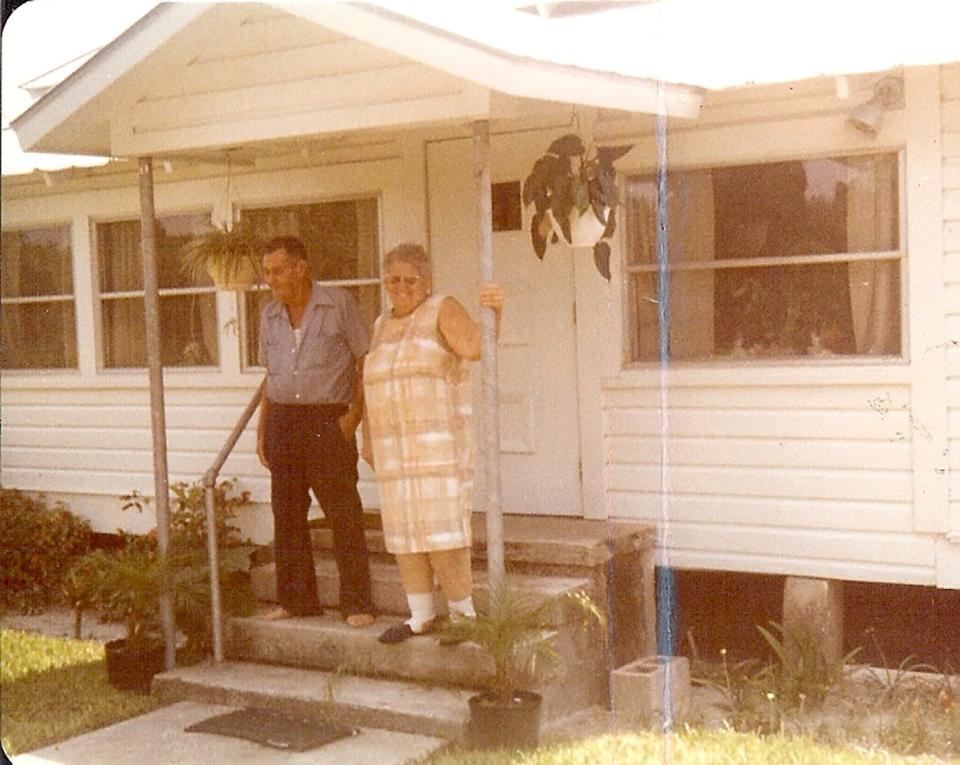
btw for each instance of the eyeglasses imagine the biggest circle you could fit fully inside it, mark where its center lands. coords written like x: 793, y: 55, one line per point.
x: 408, y: 281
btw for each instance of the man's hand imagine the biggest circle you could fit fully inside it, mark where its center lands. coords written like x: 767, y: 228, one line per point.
x: 262, y: 428
x: 367, y: 453
x: 348, y: 426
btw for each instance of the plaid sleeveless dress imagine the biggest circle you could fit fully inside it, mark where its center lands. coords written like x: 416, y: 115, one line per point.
x: 418, y: 398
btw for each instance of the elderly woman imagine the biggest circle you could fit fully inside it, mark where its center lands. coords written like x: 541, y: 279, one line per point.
x: 417, y: 435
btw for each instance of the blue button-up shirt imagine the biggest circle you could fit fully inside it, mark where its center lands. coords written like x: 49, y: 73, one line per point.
x: 322, y: 369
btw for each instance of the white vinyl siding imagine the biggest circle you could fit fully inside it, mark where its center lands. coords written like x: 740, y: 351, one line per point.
x: 263, y: 73
x: 950, y: 116
x: 817, y: 467
x: 84, y: 435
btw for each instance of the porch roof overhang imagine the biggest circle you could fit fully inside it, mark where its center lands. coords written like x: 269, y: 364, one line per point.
x: 95, y: 110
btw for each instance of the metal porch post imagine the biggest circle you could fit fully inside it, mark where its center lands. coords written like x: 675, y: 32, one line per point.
x: 488, y: 359
x: 151, y: 301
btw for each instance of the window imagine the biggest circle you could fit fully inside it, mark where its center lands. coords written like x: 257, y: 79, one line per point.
x: 38, y: 314
x: 343, y: 243
x: 505, y: 208
x: 780, y: 260
x: 188, y: 312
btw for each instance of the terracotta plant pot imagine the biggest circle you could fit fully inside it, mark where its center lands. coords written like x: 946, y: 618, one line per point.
x: 513, y: 724
x: 133, y: 670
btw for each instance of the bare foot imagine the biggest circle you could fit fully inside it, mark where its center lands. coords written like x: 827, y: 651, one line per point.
x: 360, y: 620
x: 277, y: 614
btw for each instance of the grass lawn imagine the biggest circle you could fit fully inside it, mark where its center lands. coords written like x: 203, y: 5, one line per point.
x: 692, y: 747
x: 54, y: 688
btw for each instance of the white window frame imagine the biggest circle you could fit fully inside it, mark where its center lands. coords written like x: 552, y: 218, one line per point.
x: 251, y: 365
x: 101, y: 297
x: 57, y: 298
x: 899, y: 255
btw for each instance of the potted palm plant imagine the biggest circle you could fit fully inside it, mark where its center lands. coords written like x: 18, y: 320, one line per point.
x: 574, y: 193
x: 231, y: 256
x: 516, y: 630
x: 124, y: 586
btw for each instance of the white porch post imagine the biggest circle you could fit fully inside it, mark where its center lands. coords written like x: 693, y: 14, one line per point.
x: 488, y: 359
x: 151, y: 301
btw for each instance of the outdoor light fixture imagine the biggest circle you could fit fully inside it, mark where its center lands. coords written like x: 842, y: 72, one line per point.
x: 887, y: 94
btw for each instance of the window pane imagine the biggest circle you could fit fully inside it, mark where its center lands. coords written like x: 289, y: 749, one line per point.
x: 120, y: 261
x: 188, y: 331
x: 37, y: 262
x: 802, y: 208
x: 764, y: 212
x: 339, y: 236
x: 39, y: 336
x: 343, y: 242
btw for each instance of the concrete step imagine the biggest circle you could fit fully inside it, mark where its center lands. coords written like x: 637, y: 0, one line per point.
x: 534, y: 544
x: 388, y: 595
x: 327, y: 643
x: 339, y: 696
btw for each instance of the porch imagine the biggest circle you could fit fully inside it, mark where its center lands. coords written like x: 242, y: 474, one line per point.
x: 319, y: 667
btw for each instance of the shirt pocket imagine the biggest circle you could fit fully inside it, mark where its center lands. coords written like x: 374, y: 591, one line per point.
x: 273, y: 357
x: 321, y: 341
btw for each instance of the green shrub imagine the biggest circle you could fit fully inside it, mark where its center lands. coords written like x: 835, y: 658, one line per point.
x: 124, y: 585
x: 38, y: 544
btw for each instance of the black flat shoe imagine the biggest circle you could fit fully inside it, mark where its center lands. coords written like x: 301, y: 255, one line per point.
x: 396, y: 634
x: 400, y: 632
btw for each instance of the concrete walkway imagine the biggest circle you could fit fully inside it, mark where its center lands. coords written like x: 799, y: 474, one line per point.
x: 159, y: 738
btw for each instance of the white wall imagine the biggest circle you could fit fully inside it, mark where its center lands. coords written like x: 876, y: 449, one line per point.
x: 822, y: 468
x: 84, y: 435
x: 950, y: 115
x: 827, y: 469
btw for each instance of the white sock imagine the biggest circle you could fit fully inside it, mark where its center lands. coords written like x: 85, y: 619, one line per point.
x: 462, y: 607
x: 422, y: 610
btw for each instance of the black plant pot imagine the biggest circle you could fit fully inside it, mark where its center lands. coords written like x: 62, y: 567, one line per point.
x: 511, y: 724
x: 132, y: 670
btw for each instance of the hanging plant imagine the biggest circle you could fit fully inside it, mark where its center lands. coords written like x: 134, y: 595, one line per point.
x: 231, y: 257
x: 574, y: 193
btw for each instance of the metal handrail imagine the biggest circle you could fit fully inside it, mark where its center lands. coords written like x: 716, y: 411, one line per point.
x: 209, y: 490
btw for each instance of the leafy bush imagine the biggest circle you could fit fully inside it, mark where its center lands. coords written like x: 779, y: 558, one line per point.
x: 38, y: 543
x: 125, y: 585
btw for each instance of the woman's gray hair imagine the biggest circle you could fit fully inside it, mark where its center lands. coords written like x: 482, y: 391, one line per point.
x: 412, y: 254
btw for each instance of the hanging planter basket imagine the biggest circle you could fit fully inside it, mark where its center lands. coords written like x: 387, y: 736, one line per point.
x: 230, y: 257
x: 585, y: 228
x: 243, y: 275
x: 568, y: 179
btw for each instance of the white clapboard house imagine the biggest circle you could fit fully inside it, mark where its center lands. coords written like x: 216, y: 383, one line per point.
x: 797, y: 414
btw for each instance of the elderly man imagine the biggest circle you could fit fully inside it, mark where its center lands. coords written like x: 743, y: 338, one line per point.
x: 312, y: 342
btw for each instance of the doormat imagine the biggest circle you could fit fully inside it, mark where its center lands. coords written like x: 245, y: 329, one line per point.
x: 273, y: 729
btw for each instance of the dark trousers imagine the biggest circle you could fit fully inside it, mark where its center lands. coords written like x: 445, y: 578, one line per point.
x: 307, y: 451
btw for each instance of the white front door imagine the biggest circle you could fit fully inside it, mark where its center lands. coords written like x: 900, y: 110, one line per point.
x: 539, y: 437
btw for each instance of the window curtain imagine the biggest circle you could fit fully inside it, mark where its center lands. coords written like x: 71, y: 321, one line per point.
x: 691, y: 238
x: 643, y: 285
x: 124, y: 339
x: 38, y: 335
x: 368, y: 257
x: 690, y: 209
x: 872, y: 223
